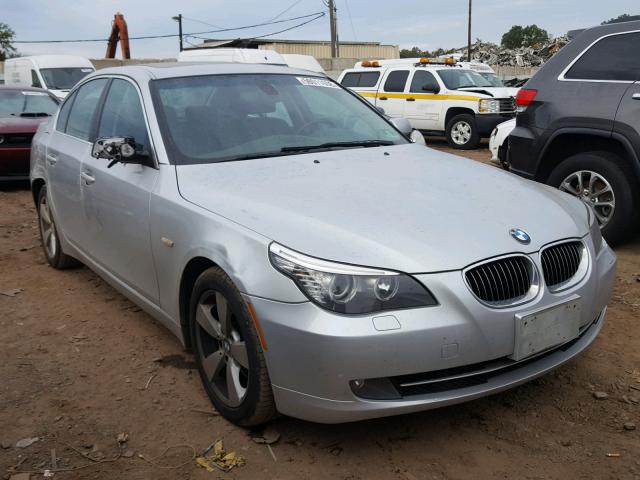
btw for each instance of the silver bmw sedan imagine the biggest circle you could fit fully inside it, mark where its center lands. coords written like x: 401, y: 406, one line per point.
x: 316, y: 261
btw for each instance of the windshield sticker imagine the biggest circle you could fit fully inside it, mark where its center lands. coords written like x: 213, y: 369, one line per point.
x: 316, y: 82
x: 37, y: 94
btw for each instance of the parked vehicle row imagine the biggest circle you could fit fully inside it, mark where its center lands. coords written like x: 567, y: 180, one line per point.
x: 317, y: 262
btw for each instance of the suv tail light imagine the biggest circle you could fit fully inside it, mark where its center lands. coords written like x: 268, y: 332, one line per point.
x: 524, y: 98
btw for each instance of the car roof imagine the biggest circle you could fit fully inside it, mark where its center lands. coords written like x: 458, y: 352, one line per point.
x: 22, y: 88
x: 192, y: 69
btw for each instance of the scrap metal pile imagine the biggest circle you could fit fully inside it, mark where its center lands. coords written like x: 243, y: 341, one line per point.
x: 493, y: 54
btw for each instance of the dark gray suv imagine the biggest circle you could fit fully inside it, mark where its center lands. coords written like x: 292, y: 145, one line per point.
x: 578, y: 125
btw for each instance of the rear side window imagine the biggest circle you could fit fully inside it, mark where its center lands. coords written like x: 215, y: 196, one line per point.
x: 424, y: 82
x: 396, y: 81
x: 63, y: 116
x: 84, y: 109
x: 361, y: 79
x: 611, y: 58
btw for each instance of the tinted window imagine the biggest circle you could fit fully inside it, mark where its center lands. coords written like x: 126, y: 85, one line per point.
x: 361, y: 79
x: 84, y: 108
x: 63, y: 116
x: 612, y: 58
x: 122, y: 114
x: 396, y: 81
x: 35, y: 81
x: 424, y: 82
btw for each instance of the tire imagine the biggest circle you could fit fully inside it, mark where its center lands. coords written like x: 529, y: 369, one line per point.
x: 217, y: 348
x: 502, y: 156
x: 609, y: 168
x: 454, y: 134
x: 49, y: 236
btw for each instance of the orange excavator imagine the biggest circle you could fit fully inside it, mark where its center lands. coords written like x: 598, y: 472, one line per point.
x: 119, y: 32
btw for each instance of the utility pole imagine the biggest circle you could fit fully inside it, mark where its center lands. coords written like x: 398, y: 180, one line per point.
x: 469, y: 34
x: 179, y: 20
x: 333, y: 24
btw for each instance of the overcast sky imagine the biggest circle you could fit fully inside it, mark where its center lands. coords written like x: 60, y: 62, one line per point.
x: 428, y: 23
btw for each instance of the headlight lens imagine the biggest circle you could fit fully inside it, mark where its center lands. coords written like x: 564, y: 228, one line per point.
x: 489, y: 105
x: 349, y: 289
x: 594, y: 229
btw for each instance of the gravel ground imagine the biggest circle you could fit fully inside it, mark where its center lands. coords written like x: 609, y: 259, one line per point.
x: 80, y: 365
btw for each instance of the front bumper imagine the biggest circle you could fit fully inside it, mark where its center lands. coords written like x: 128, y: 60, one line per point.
x: 313, y: 355
x: 14, y: 163
x: 486, y: 122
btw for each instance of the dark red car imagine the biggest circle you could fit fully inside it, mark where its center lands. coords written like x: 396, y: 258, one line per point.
x: 22, y: 110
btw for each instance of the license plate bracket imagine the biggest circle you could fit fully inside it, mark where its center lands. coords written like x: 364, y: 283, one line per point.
x: 543, y: 329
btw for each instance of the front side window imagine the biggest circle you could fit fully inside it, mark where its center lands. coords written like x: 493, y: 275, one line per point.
x: 424, y: 82
x: 611, y: 58
x: 63, y: 78
x: 396, y: 81
x: 218, y: 118
x: 26, y: 103
x: 455, y: 79
x: 122, y: 115
x: 83, y: 110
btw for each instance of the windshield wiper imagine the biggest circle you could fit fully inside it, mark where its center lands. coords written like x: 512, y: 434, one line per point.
x: 330, y: 145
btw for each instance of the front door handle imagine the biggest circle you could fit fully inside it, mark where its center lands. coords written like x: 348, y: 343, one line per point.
x: 411, y: 99
x: 382, y: 98
x: 636, y: 96
x: 52, y: 159
x: 88, y: 178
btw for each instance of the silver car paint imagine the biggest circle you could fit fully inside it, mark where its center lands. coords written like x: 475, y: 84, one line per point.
x: 414, y: 210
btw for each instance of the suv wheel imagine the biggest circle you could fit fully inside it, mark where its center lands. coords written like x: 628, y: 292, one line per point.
x: 601, y: 180
x: 228, y: 351
x: 462, y: 132
x: 49, y: 235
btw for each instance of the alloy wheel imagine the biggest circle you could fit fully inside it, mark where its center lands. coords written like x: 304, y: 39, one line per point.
x: 593, y: 189
x: 461, y: 132
x: 222, y: 350
x: 47, y: 228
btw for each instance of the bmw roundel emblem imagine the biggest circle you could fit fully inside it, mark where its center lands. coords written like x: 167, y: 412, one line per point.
x: 520, y: 235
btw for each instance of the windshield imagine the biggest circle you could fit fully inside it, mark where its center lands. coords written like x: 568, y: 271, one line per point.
x: 218, y: 118
x: 26, y: 103
x: 493, y: 79
x: 455, y: 79
x: 63, y: 78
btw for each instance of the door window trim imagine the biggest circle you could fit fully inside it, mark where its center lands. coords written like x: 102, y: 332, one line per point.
x: 75, y: 95
x: 562, y: 78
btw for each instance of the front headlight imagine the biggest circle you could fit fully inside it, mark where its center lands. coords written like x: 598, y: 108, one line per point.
x: 349, y: 289
x: 489, y: 105
x: 594, y: 229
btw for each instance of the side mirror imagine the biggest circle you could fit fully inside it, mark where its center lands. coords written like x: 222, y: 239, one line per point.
x: 431, y: 88
x: 116, y: 149
x: 403, y: 125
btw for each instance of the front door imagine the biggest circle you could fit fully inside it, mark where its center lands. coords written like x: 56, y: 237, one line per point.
x: 115, y: 200
x: 423, y: 108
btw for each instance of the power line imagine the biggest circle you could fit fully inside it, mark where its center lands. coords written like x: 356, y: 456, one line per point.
x: 316, y: 15
x: 346, y: 4
x: 286, y: 9
x: 200, y: 21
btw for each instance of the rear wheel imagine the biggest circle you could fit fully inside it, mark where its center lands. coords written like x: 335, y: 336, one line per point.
x: 49, y: 235
x: 603, y: 181
x: 228, y: 351
x: 462, y: 132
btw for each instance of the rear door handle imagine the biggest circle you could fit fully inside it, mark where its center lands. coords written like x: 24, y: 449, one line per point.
x: 382, y: 98
x: 636, y: 96
x: 88, y: 178
x: 52, y: 159
x: 411, y: 99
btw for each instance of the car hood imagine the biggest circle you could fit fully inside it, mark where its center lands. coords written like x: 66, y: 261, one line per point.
x: 495, y: 92
x: 404, y: 207
x: 21, y: 124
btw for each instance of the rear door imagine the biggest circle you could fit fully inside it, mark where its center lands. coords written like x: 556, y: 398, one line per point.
x: 391, y: 96
x: 363, y: 82
x: 422, y: 108
x: 68, y: 145
x: 115, y: 199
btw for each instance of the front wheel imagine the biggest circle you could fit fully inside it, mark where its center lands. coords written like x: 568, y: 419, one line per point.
x: 601, y: 180
x: 228, y: 351
x: 462, y: 132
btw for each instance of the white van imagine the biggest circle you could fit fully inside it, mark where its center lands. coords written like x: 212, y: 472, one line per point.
x: 56, y: 73
x: 231, y: 55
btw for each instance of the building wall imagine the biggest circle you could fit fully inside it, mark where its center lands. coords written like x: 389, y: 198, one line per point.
x: 323, y: 50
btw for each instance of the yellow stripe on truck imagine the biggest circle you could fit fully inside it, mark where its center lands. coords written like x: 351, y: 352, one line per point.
x: 419, y: 96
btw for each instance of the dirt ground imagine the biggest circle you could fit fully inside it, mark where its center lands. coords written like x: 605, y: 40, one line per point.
x: 80, y: 364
